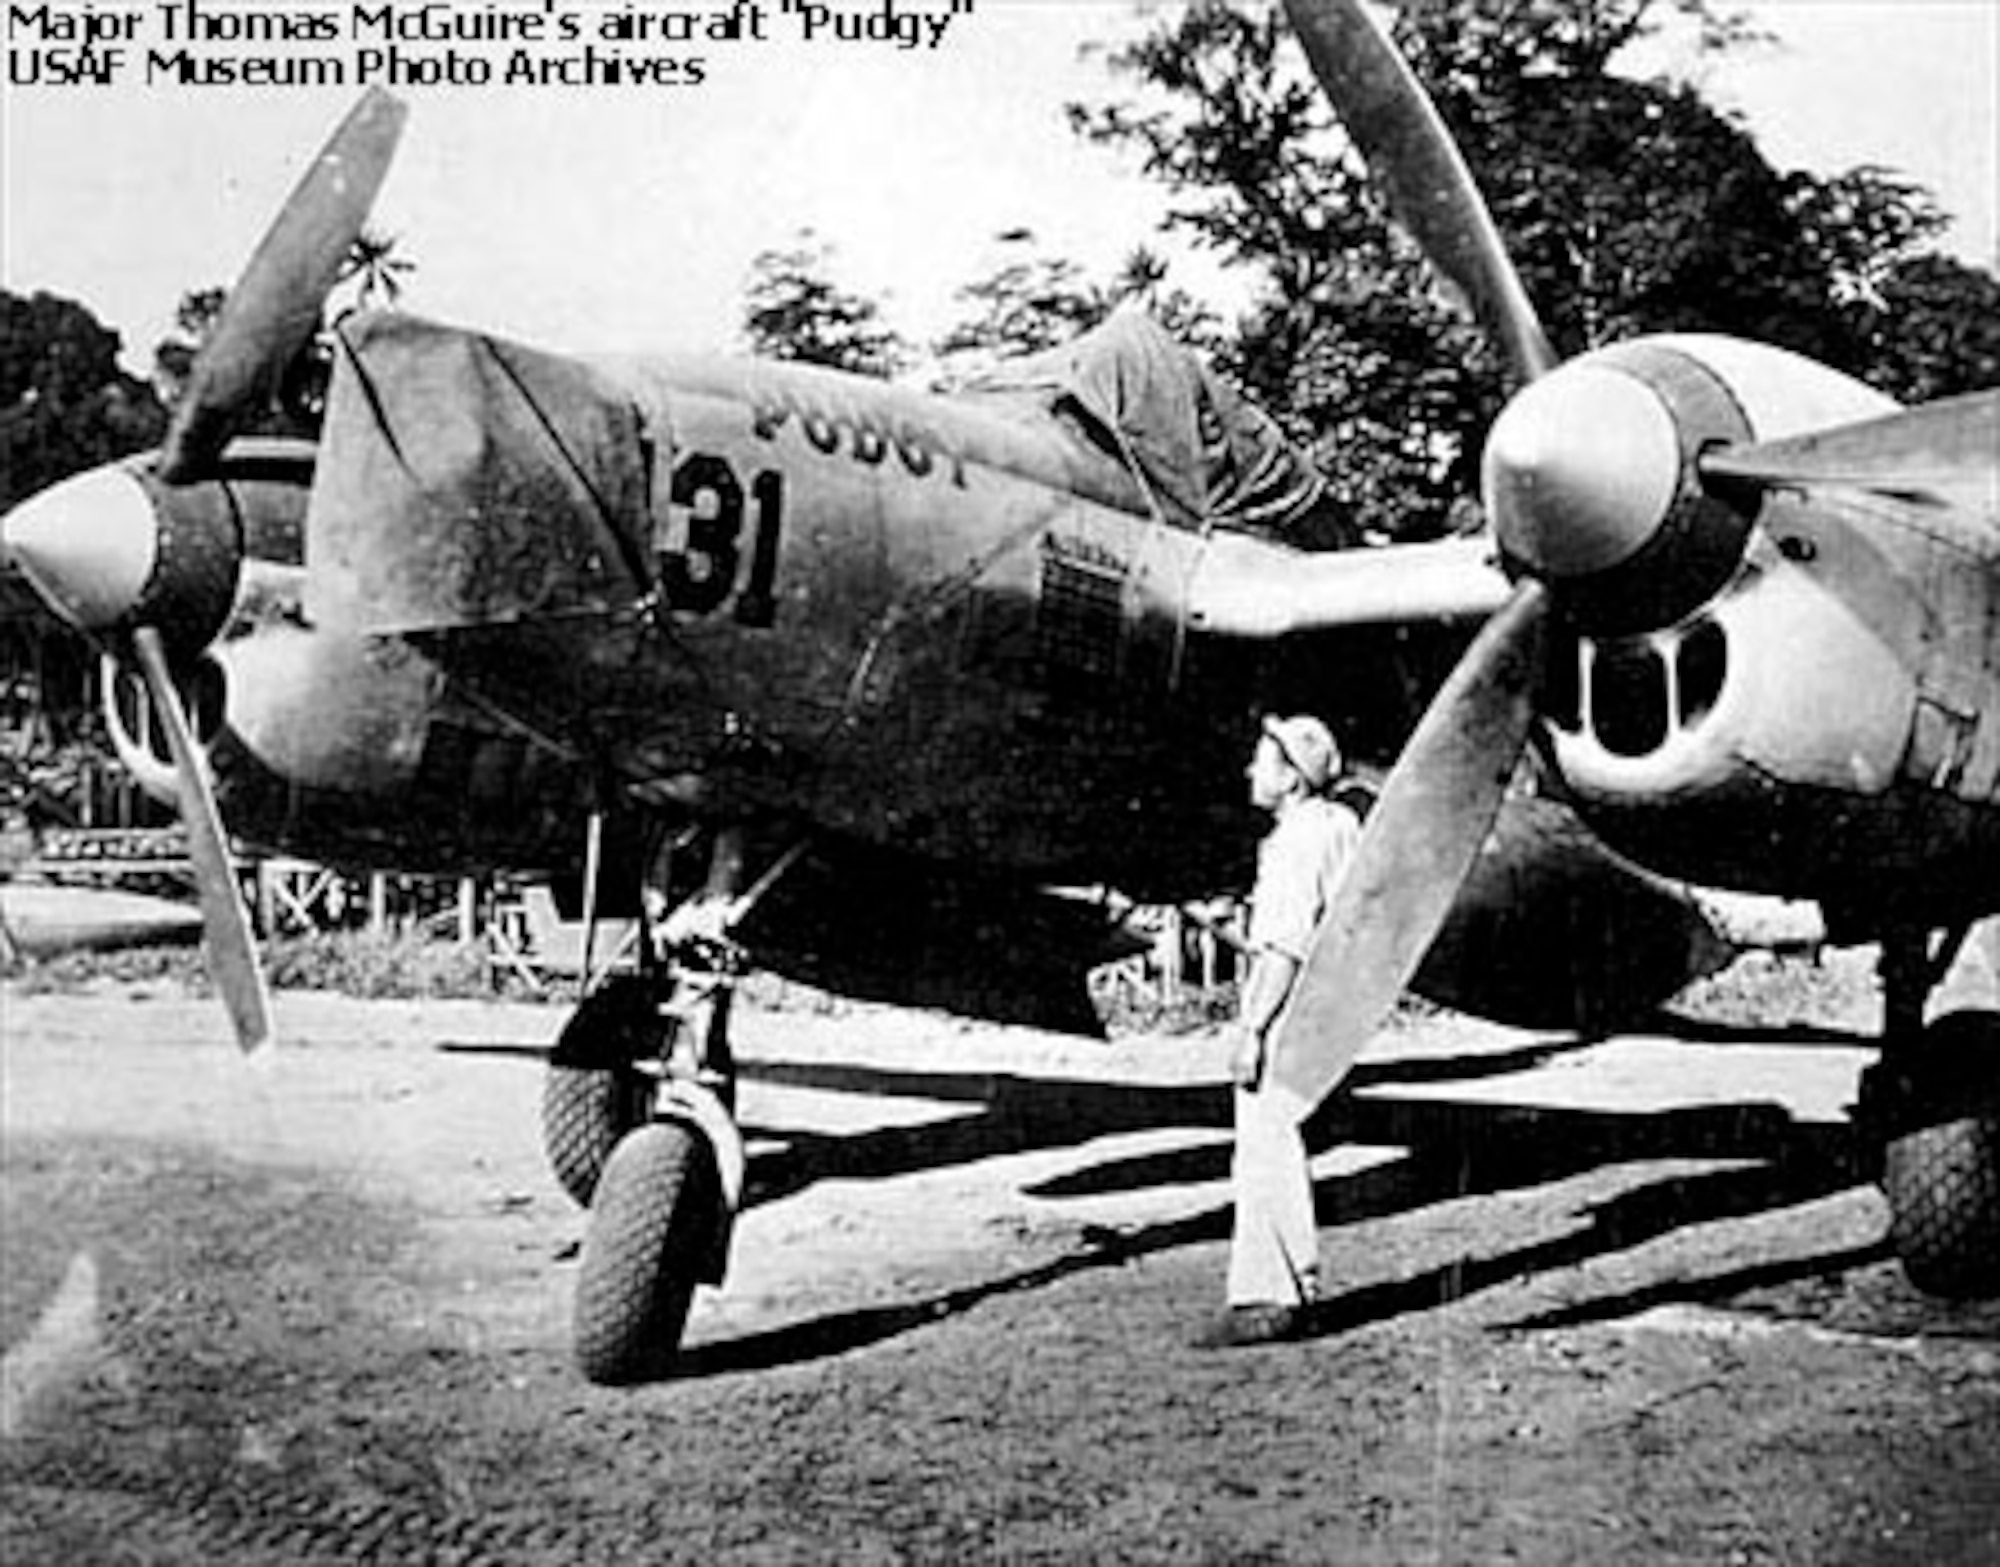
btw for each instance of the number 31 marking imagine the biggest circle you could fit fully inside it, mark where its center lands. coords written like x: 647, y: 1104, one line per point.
x: 700, y: 577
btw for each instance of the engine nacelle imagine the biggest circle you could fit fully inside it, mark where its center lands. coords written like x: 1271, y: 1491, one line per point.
x: 1552, y: 930
x: 1811, y: 727
x: 1591, y: 472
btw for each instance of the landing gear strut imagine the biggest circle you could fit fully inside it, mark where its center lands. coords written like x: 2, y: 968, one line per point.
x: 638, y: 1118
x: 1933, y: 1104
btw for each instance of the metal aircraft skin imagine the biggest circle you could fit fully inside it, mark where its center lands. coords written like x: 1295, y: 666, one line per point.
x: 1750, y: 607
x: 960, y: 630
x: 944, y: 624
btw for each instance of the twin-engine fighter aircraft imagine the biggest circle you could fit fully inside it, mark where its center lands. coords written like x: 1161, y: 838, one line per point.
x: 816, y: 672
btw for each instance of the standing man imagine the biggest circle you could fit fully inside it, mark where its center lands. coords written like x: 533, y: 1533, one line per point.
x: 1274, y: 1250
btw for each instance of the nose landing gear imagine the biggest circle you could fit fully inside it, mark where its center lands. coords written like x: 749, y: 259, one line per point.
x: 669, y: 1177
x: 639, y: 1125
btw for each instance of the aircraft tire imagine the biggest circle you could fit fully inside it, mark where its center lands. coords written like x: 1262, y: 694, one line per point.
x: 586, y: 1112
x: 1943, y: 1186
x: 643, y: 1252
x: 1941, y: 1166
x: 594, y: 1093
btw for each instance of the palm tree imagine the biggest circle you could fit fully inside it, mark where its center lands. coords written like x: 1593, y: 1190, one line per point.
x: 376, y: 270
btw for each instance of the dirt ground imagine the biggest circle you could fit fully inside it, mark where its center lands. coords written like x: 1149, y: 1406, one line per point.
x: 1615, y: 1301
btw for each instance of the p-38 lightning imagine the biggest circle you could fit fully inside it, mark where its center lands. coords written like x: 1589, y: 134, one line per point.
x: 843, y: 679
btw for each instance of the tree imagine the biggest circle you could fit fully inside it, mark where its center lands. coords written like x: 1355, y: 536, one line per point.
x: 294, y: 400
x: 375, y: 270
x: 1030, y: 301
x: 1343, y: 340
x: 1930, y: 327
x: 173, y: 356
x: 793, y: 310
x: 64, y: 404
x: 1628, y: 206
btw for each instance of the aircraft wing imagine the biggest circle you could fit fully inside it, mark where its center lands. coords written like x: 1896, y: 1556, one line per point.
x: 1244, y: 587
x: 1938, y: 454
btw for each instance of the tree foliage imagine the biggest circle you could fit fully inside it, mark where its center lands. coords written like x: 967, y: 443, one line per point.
x: 1930, y: 327
x: 1628, y: 206
x: 1027, y: 302
x: 294, y: 400
x: 173, y: 355
x: 1030, y: 300
x: 376, y: 272
x: 794, y: 310
x: 64, y: 404
x: 1343, y: 340
x: 373, y: 275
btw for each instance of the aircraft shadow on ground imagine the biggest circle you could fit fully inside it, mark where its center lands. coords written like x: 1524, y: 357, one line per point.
x: 1455, y: 1150
x: 1787, y: 1163
x: 1019, y: 1114
x: 1694, y: 1292
x: 1807, y: 1036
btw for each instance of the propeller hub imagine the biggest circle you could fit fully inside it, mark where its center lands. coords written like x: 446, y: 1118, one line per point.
x: 1593, y: 485
x: 1580, y: 470
x: 115, y: 548
x: 90, y: 544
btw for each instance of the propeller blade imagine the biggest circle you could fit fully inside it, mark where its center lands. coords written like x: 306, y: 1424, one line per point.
x: 1946, y: 452
x: 275, y: 304
x: 1393, y: 122
x: 232, y: 950
x: 1434, y: 812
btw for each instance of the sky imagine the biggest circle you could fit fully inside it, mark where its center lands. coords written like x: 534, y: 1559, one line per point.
x: 624, y: 218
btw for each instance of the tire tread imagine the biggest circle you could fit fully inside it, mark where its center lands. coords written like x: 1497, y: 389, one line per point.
x: 643, y: 1252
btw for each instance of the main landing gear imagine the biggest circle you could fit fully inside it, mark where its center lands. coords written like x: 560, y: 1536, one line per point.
x: 1932, y: 1105
x: 639, y: 1126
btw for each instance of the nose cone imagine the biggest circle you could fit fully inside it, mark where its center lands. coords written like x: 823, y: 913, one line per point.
x: 1580, y: 470
x: 89, y: 545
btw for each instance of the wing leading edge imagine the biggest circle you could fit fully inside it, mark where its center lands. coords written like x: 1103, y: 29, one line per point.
x: 1246, y: 587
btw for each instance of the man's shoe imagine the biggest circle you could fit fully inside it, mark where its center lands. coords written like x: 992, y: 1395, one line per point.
x: 1241, y: 1326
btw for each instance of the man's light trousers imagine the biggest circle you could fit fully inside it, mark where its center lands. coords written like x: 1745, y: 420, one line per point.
x: 1274, y: 1252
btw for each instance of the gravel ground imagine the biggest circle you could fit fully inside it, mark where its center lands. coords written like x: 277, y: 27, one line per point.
x: 1622, y: 1300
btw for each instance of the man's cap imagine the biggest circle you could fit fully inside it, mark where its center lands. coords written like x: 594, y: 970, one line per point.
x: 1309, y: 746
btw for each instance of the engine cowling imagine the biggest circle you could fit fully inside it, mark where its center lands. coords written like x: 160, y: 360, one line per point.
x: 1592, y: 473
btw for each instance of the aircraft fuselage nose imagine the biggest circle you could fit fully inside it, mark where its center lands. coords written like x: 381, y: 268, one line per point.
x: 89, y: 544
x: 1581, y: 470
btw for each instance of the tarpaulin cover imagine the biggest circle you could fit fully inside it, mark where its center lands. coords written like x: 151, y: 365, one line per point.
x: 1207, y: 455
x: 466, y: 481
